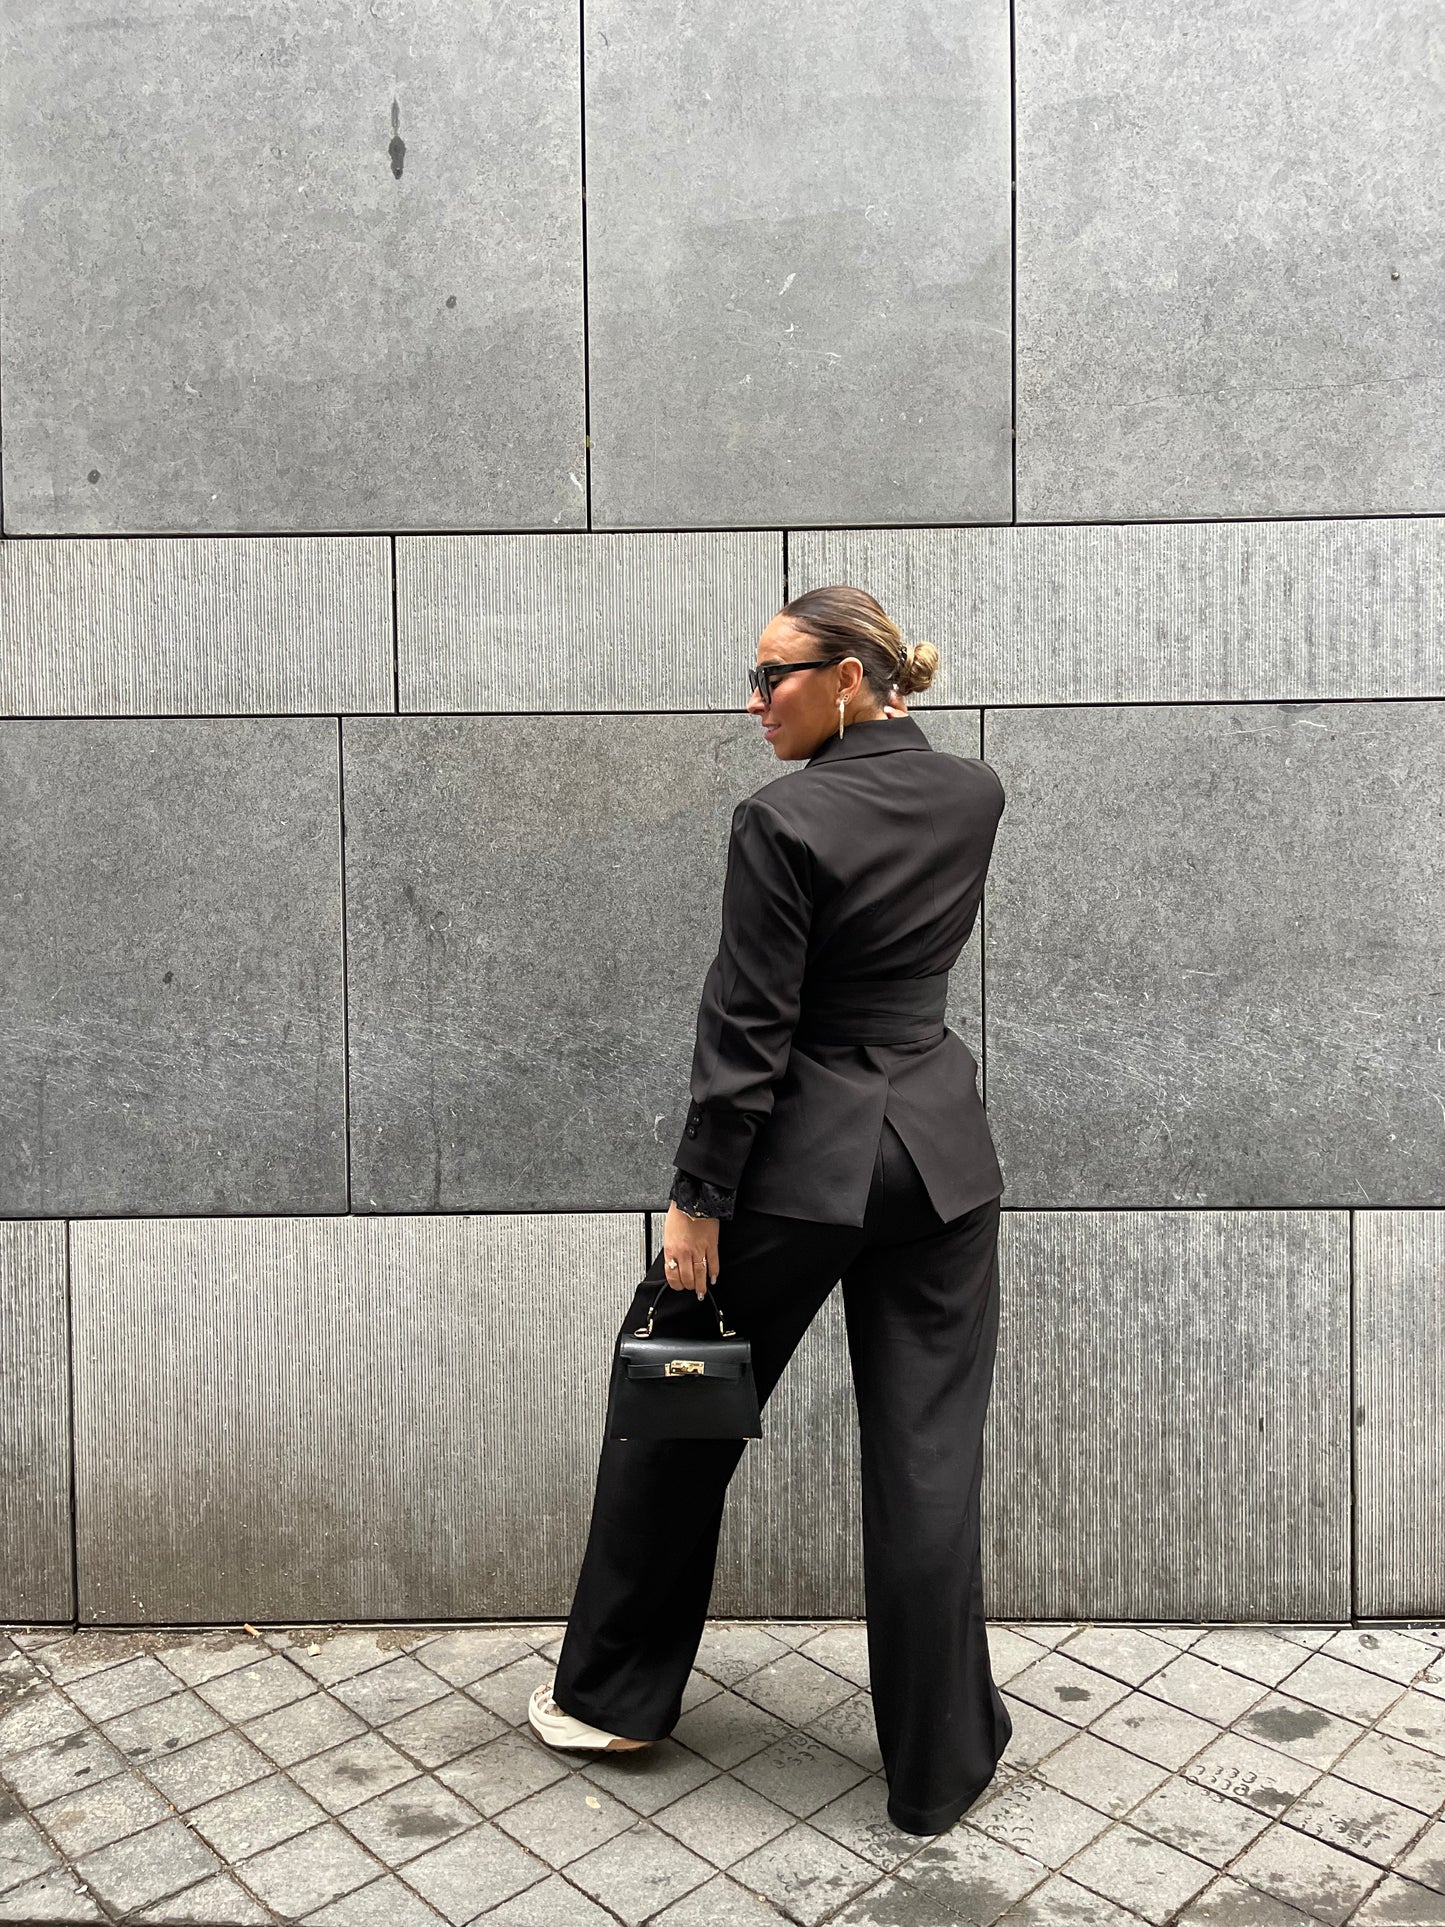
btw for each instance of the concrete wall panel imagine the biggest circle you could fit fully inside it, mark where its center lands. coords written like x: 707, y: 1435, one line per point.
x: 1181, y: 612
x: 1213, y: 955
x: 170, y: 951
x: 195, y: 627
x: 345, y: 1418
x: 583, y: 622
x: 292, y: 267
x: 1231, y: 273
x: 1169, y: 1433
x: 798, y: 263
x: 1399, y: 1395
x: 35, y: 1564
x: 532, y: 906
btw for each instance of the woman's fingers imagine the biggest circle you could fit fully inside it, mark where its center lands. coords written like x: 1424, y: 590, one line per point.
x: 693, y: 1243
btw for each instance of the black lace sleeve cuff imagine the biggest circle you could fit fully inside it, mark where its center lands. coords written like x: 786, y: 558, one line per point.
x: 698, y: 1198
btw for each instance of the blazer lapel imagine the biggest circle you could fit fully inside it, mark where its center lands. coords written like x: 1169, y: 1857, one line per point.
x: 874, y: 738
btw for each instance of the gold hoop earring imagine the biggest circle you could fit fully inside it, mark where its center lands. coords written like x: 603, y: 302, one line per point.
x: 841, y: 701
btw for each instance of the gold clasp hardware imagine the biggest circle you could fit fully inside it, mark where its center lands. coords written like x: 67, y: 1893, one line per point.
x: 684, y: 1368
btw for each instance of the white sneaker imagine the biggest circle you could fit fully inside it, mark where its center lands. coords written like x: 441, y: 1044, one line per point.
x: 556, y: 1728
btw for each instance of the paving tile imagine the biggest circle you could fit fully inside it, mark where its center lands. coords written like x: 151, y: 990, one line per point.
x: 56, y: 1895
x: 444, y: 1730
x: 305, y: 1727
x: 894, y: 1902
x: 1123, y: 1652
x: 1199, y: 1821
x: 858, y: 1820
x: 507, y: 1691
x: 1311, y: 1636
x: 1051, y: 1632
x: 850, y: 1729
x: 80, y: 1822
x: 387, y: 1692
x: 1398, y: 1900
x: 1181, y: 1636
x: 1345, y: 1815
x: 473, y: 1651
x: 61, y: 1766
x: 1059, y: 1685
x: 217, y: 1902
x: 1140, y: 1873
x: 647, y: 1781
x: 726, y: 1729
x: 355, y: 1771
x: 1038, y: 1820
x: 334, y: 1656
x: 399, y: 1825
x: 1259, y: 1776
x: 805, y: 1874
x: 639, y: 1872
x: 1343, y: 1689
x: 1009, y: 1652
x: 976, y: 1877
x: 799, y: 1773
x: 385, y: 1903
x: 164, y: 1727
x: 254, y: 1817
x: 1228, y: 1902
x: 1061, y: 1902
x: 795, y: 1688
x: 1167, y: 1735
x: 1291, y: 1726
x: 1103, y: 1776
x: 1035, y: 1735
x: 723, y: 1820
x: 697, y: 1689
x: 719, y: 1903
x: 1425, y: 1861
x: 131, y: 1873
x: 1416, y: 1717
x: 1397, y: 1769
x: 475, y: 1871
x: 565, y: 1821
x: 305, y: 1872
x: 1253, y: 1651
x: 844, y: 1650
x: 1394, y: 1655
x: 503, y: 1772
x: 38, y: 1716
x: 207, y: 1770
x: 77, y: 1655
x: 1308, y: 1873
x: 729, y: 1653
x: 23, y: 1853
x: 260, y: 1688
x: 1200, y: 1687
x: 204, y: 1656
x: 553, y: 1902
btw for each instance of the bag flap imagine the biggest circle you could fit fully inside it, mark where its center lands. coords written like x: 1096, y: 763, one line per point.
x: 703, y: 1358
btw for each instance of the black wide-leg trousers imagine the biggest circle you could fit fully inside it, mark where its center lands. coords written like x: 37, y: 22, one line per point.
x: 921, y: 1302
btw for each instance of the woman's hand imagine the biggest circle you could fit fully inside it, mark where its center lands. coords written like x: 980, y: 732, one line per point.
x: 693, y: 1243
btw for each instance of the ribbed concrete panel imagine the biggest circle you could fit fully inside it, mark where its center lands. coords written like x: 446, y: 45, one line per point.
x: 1231, y: 276
x: 1399, y: 1398
x: 170, y: 957
x: 35, y: 1575
x: 291, y: 266
x: 1169, y: 612
x: 1169, y: 1431
x: 1213, y: 955
x: 344, y: 1418
x: 579, y: 622
x: 195, y: 627
x: 532, y: 906
x: 798, y: 253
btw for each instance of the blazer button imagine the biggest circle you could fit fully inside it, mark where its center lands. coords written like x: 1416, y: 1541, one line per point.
x: 692, y: 1128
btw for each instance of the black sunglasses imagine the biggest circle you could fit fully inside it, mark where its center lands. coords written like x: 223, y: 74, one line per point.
x: 766, y: 674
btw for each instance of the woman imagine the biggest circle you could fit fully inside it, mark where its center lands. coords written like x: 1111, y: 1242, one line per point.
x: 835, y: 1131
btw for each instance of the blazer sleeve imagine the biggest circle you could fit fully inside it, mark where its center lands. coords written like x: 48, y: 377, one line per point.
x: 751, y: 994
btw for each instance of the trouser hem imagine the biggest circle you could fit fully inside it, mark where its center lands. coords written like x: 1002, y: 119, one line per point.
x: 577, y: 1708
x: 934, y: 1819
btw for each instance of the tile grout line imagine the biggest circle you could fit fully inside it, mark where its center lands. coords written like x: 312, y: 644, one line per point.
x: 586, y: 317
x: 346, y: 1116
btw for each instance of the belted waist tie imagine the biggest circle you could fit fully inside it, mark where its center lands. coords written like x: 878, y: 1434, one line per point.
x: 872, y: 1010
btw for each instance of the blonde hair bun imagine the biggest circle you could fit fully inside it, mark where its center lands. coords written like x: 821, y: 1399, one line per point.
x: 917, y: 667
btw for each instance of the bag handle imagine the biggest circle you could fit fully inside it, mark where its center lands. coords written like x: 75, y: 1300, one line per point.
x: 645, y: 1331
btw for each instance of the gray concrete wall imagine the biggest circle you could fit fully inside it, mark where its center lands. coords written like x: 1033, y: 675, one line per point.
x: 408, y: 420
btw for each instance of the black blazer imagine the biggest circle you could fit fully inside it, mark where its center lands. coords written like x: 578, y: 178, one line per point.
x: 866, y: 863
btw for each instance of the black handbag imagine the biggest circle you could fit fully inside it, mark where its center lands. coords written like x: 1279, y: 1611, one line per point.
x: 683, y: 1388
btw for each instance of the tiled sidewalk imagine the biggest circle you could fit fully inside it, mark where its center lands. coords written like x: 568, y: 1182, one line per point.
x: 1264, y: 1777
